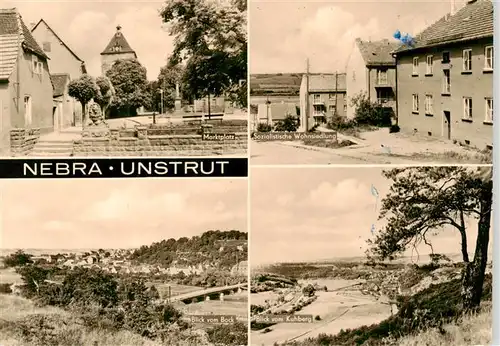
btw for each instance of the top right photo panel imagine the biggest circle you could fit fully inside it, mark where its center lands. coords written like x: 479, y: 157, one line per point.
x: 342, y: 83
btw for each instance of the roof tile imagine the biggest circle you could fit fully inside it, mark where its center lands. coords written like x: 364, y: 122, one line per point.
x: 473, y: 21
x: 12, y: 32
x: 377, y: 52
x: 118, y: 44
x: 59, y: 82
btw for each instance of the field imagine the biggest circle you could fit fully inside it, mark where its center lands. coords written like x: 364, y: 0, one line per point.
x: 337, y: 310
x: 280, y: 83
x: 9, y: 276
x: 362, y: 304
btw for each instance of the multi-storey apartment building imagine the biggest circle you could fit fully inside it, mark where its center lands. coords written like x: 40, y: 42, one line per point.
x: 445, y: 80
x: 322, y: 96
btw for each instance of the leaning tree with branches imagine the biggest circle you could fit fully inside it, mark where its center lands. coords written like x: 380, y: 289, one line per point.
x: 426, y: 200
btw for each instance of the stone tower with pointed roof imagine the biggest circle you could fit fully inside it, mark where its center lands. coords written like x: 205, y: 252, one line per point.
x: 117, y: 49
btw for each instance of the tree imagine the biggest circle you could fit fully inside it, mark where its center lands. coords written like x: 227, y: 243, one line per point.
x: 211, y: 38
x: 106, y: 93
x: 129, y: 79
x: 19, y: 258
x: 83, y: 89
x: 169, y: 76
x: 422, y: 200
x: 33, y: 277
x: 238, y: 95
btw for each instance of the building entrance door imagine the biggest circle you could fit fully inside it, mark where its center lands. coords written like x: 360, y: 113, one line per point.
x: 447, y: 124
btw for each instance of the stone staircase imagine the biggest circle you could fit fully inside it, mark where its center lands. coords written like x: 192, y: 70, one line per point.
x: 53, y: 148
x: 56, y: 144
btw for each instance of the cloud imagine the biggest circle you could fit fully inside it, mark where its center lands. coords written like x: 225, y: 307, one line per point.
x: 285, y: 199
x: 55, y: 225
x: 342, y: 197
x: 121, y: 203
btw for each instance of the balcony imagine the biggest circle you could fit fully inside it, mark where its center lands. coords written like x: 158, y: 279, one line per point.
x: 386, y: 102
x: 318, y: 102
x: 319, y: 114
x: 382, y: 83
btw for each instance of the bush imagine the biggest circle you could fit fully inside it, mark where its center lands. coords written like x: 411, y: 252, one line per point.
x: 370, y: 113
x: 394, y: 129
x: 234, y: 334
x: 289, y: 124
x: 263, y: 127
x: 338, y: 122
x: 5, y: 288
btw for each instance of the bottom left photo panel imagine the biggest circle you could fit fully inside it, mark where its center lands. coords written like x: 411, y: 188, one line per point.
x: 106, y: 262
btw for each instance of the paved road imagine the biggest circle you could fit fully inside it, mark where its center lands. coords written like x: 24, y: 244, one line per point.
x: 274, y: 153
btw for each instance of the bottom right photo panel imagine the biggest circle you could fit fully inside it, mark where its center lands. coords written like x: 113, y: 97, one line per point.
x: 371, y: 256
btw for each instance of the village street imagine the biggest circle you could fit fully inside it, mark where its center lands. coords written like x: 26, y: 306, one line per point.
x: 374, y: 147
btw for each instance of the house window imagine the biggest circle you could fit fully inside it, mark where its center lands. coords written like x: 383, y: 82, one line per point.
x: 489, y: 110
x: 488, y: 58
x: 37, y: 65
x: 446, y: 82
x: 415, y: 103
x: 354, y: 76
x: 429, y: 63
x: 382, y: 77
x: 467, y: 60
x: 27, y: 111
x: 384, y: 95
x: 467, y: 108
x: 429, y: 105
x: 316, y: 97
x: 46, y: 46
x: 415, y: 66
x: 318, y: 111
x: 332, y: 109
x: 446, y: 57
x: 331, y: 96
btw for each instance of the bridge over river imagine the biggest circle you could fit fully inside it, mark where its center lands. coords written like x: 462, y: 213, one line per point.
x: 209, y: 293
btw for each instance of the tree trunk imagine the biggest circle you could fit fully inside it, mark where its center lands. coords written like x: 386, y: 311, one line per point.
x: 84, y: 115
x: 463, y: 235
x: 473, y: 276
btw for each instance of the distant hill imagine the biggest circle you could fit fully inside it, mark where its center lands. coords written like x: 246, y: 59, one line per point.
x: 221, y: 249
x: 275, y: 84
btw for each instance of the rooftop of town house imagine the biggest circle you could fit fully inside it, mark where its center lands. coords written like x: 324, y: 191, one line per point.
x: 473, y: 21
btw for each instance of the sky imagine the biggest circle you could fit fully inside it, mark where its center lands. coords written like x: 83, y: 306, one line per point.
x: 283, y: 34
x: 88, y: 26
x: 116, y: 213
x: 308, y: 214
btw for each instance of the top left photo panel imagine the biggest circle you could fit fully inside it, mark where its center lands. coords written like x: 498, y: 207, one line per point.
x: 164, y: 78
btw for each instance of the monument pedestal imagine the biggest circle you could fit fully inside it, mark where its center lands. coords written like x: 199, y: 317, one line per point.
x: 178, y: 105
x: 96, y: 132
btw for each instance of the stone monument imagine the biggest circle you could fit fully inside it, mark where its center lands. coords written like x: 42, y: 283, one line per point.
x: 178, y: 103
x: 97, y: 126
